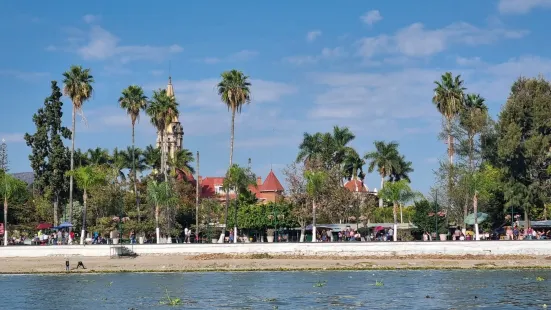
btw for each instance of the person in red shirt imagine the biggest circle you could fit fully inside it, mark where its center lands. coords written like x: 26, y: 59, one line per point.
x: 72, y: 235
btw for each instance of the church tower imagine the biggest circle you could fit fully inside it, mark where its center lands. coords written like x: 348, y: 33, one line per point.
x: 174, y: 133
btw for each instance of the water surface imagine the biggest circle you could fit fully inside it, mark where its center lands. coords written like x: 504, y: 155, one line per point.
x: 459, y: 289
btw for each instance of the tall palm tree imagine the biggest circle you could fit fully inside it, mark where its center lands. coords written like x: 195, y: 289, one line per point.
x: 181, y: 163
x: 152, y: 157
x: 473, y: 119
x: 398, y: 192
x: 78, y: 86
x: 315, y: 181
x: 341, y: 138
x: 98, y: 156
x: 134, y: 162
x: 402, y: 171
x: 157, y: 194
x: 385, y: 159
x: 234, y: 90
x: 133, y: 101
x: 448, y: 99
x: 353, y: 167
x: 119, y: 163
x: 162, y: 110
x: 87, y: 177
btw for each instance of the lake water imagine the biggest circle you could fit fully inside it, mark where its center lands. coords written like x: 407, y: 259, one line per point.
x: 461, y: 289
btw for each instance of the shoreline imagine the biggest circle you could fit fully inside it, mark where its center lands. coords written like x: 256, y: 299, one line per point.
x: 266, y: 262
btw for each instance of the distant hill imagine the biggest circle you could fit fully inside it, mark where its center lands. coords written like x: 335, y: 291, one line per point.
x: 27, y: 177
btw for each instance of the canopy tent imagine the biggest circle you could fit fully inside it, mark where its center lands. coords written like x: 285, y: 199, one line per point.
x: 65, y: 225
x: 338, y: 227
x: 481, y: 217
x: 42, y: 226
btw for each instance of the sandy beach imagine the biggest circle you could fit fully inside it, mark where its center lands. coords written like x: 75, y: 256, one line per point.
x: 264, y: 262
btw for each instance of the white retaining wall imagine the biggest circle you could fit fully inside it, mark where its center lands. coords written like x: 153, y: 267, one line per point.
x: 323, y: 249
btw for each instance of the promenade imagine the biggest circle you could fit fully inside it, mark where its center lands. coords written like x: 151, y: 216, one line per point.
x: 372, y: 249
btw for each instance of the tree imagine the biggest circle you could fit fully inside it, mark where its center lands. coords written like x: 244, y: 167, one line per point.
x: 385, y: 159
x: 162, y: 109
x: 49, y: 157
x: 9, y: 189
x: 78, y: 86
x: 157, y: 195
x: 87, y: 177
x: 314, y: 184
x: 134, y: 101
x: 397, y: 192
x: 152, y: 157
x: 353, y: 167
x: 402, y: 170
x: 238, y: 179
x: 98, y: 156
x: 297, y: 195
x: 181, y: 163
x: 523, y: 145
x: 234, y: 90
x: 448, y: 99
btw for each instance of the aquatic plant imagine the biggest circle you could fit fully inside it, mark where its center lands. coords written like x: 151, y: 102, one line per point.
x: 169, y: 301
x: 320, y: 284
x: 539, y: 279
x: 379, y: 283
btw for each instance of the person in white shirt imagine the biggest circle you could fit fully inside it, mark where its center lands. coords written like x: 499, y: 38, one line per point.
x: 390, y: 234
x: 186, y: 231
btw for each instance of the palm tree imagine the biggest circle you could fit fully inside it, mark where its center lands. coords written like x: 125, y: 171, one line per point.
x: 398, y: 192
x: 234, y: 91
x: 98, y: 156
x: 86, y: 178
x: 238, y: 179
x: 157, y: 194
x: 78, y: 86
x: 315, y: 181
x: 9, y: 187
x: 119, y: 163
x: 162, y: 110
x: 473, y: 119
x: 341, y: 138
x: 133, y: 159
x: 385, y: 158
x: 353, y: 167
x: 181, y: 163
x: 402, y: 171
x: 309, y: 149
x: 152, y: 157
x: 448, y: 99
x: 133, y: 101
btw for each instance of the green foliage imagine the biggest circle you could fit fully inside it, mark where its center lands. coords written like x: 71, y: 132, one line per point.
x: 261, y: 216
x: 428, y: 216
x: 315, y: 181
x: 234, y: 89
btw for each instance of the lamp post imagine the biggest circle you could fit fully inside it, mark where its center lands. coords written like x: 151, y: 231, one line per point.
x: 436, y: 214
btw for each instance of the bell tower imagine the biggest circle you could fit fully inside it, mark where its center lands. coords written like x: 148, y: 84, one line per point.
x: 174, y: 132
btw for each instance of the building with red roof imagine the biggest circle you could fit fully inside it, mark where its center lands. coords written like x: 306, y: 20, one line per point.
x: 270, y: 190
x: 358, y: 186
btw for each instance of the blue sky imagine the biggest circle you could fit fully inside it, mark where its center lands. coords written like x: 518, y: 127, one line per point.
x: 313, y: 64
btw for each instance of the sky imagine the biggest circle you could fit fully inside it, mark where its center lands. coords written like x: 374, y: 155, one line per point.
x: 367, y: 65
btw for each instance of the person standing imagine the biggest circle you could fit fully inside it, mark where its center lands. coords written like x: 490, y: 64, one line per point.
x: 185, y: 235
x: 188, y: 235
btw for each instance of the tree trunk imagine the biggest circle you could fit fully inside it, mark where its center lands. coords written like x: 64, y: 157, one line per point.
x: 526, y: 219
x: 5, y: 219
x: 83, y: 234
x: 56, y: 206
x: 72, y: 169
x: 475, y: 207
x: 157, y: 230
x: 302, y: 233
x: 135, y: 174
x: 221, y: 240
x: 395, y: 211
x: 235, y: 218
x: 197, y: 200
x: 465, y: 210
x: 165, y: 157
x: 401, y: 215
x: 382, y: 184
x: 314, y: 231
x: 450, y: 142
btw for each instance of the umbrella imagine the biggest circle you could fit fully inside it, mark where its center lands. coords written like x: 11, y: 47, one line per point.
x: 481, y: 217
x: 65, y: 225
x: 44, y: 226
x: 378, y: 228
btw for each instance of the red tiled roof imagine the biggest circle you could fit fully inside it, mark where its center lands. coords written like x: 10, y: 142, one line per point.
x: 271, y: 184
x: 356, y: 186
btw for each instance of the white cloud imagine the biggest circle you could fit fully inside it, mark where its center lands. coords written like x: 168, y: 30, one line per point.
x: 405, y: 96
x: 417, y: 41
x: 203, y: 94
x: 97, y: 43
x: 522, y: 6
x: 90, y: 19
x: 468, y: 61
x: 242, y: 55
x: 24, y: 76
x: 371, y: 17
x: 11, y: 137
x: 313, y: 35
x: 326, y: 53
